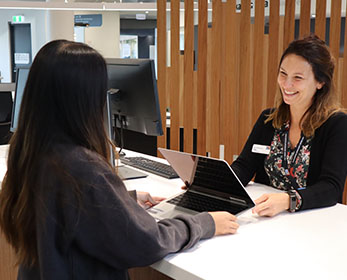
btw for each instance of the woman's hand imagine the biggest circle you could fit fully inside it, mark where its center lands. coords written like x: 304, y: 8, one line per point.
x: 225, y: 223
x: 146, y: 200
x: 271, y: 204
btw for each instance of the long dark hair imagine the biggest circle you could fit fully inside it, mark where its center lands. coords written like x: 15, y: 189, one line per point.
x: 325, y: 103
x: 65, y: 95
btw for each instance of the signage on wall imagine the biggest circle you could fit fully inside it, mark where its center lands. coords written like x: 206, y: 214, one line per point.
x: 21, y: 58
x: 18, y: 19
x: 88, y: 20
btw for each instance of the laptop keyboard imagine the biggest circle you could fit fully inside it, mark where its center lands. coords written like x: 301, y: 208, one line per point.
x: 201, y: 203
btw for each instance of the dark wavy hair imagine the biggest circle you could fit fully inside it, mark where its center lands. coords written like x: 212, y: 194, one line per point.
x: 65, y: 95
x: 325, y: 102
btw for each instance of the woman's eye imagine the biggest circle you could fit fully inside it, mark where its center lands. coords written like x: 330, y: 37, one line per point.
x: 283, y: 73
x: 298, y: 78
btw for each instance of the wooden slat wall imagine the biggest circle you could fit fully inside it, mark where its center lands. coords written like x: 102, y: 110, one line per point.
x: 237, y: 67
x: 334, y: 38
x: 161, y: 68
x: 274, y: 36
x: 213, y: 90
x: 202, y: 77
x: 174, y: 78
x: 188, y: 76
x: 305, y: 17
x: 230, y: 78
x: 245, y: 68
x: 320, y: 20
x: 258, y: 60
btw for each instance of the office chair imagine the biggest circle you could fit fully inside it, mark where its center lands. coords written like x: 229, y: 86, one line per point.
x: 5, y: 116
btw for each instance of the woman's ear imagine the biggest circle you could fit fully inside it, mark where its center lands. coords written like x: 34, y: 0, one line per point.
x: 320, y: 85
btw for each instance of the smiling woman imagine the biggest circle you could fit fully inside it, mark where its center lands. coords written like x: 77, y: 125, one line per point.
x: 306, y: 135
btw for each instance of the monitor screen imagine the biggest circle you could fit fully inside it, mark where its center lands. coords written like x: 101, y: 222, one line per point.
x: 134, y: 96
x: 21, y: 79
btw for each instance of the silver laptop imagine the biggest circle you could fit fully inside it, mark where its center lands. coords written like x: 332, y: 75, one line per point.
x: 211, y: 186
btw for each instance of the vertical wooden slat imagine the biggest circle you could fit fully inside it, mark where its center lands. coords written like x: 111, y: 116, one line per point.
x: 8, y: 269
x: 161, y: 64
x: 214, y: 91
x: 305, y: 17
x: 344, y: 73
x: 289, y: 23
x: 174, y: 75
x: 258, y: 60
x: 202, y: 79
x: 320, y: 20
x: 334, y: 34
x: 245, y: 94
x: 274, y: 23
x: 188, y: 75
x: 229, y: 85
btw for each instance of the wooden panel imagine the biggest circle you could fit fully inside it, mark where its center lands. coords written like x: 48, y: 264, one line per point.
x: 202, y: 77
x: 208, y: 87
x: 344, y: 74
x: 161, y: 64
x: 305, y: 17
x: 214, y: 91
x: 145, y: 273
x: 8, y: 270
x: 188, y: 75
x: 229, y: 83
x: 289, y: 23
x: 174, y: 75
x: 181, y: 87
x: 245, y: 93
x: 334, y: 37
x: 320, y: 20
x: 258, y: 60
x: 274, y: 33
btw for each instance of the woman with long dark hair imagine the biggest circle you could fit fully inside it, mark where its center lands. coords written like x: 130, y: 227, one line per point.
x: 62, y: 207
x: 299, y: 146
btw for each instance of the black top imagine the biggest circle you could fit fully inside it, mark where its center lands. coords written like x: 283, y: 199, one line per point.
x: 109, y: 233
x: 328, y: 160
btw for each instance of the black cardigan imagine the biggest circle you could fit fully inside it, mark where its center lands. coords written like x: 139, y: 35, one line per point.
x: 328, y: 160
x: 104, y: 232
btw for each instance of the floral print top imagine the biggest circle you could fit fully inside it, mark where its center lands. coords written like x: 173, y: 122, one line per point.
x: 274, y: 162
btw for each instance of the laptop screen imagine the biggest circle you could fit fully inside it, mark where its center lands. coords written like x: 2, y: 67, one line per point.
x: 209, y: 175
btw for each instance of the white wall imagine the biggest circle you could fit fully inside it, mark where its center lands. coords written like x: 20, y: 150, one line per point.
x: 50, y: 25
x: 38, y: 24
x: 104, y: 38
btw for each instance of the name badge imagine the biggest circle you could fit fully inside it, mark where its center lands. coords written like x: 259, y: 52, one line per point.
x: 261, y: 149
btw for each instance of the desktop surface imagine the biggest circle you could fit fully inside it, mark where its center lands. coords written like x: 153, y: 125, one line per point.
x: 311, y: 244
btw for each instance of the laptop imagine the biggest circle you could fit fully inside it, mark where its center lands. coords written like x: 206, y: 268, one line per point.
x: 211, y: 186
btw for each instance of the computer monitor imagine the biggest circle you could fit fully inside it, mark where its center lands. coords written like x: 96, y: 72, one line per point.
x: 134, y: 96
x: 21, y: 79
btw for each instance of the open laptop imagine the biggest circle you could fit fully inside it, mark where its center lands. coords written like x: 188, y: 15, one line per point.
x: 211, y: 186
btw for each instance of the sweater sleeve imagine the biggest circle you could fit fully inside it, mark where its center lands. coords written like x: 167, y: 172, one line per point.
x: 248, y: 163
x: 329, y: 165
x: 113, y: 228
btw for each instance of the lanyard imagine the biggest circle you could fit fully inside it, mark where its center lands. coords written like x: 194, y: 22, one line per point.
x: 285, y: 156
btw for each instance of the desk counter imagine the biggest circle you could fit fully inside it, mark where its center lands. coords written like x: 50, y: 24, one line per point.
x: 310, y: 244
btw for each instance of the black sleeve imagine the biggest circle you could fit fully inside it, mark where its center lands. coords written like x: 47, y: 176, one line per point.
x: 249, y: 163
x: 329, y: 165
x: 113, y: 228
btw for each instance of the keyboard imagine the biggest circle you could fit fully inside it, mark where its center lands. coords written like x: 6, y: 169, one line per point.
x: 201, y: 203
x: 152, y: 166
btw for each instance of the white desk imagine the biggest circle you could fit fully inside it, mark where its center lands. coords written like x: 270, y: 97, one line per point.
x: 306, y: 245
